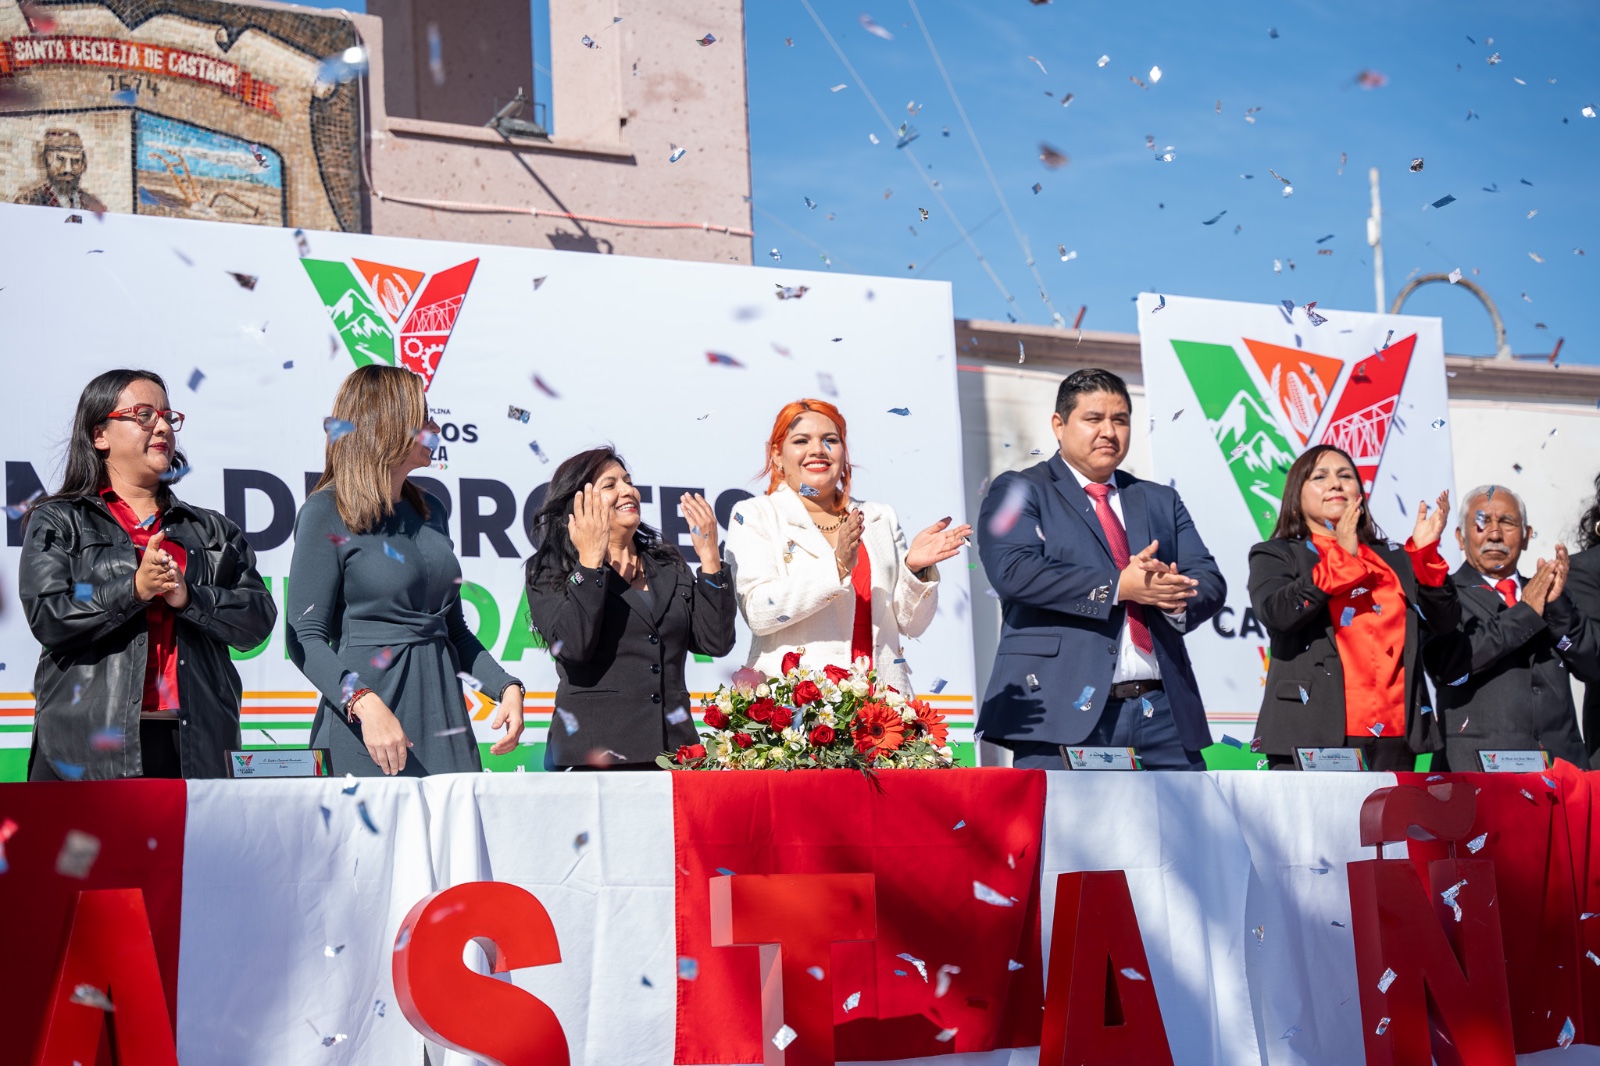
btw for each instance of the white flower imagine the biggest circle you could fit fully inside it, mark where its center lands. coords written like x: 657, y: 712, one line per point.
x: 861, y: 666
x: 859, y: 687
x: 763, y: 690
x: 894, y: 699
x: 946, y: 752
x: 907, y: 714
x: 791, y: 735
x: 724, y: 747
x: 725, y: 703
x: 830, y: 691
x: 827, y: 717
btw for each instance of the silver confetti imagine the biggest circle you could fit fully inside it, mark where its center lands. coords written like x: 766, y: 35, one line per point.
x: 988, y: 895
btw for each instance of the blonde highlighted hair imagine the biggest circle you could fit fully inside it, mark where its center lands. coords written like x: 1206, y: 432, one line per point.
x: 387, y: 406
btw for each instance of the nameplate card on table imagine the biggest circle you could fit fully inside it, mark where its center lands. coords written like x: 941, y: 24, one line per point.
x: 304, y: 762
x: 1514, y: 762
x: 1331, y: 760
x: 1101, y: 758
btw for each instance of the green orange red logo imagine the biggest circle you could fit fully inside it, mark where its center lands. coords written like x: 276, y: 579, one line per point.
x: 1262, y: 432
x: 392, y: 315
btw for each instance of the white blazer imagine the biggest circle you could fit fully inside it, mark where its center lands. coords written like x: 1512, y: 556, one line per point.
x: 792, y: 597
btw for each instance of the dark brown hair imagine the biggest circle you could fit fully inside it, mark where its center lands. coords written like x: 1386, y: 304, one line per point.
x: 86, y: 466
x: 1292, y: 520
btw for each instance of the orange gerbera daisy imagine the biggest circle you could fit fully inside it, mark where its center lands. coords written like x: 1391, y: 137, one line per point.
x: 931, y: 721
x: 877, y: 728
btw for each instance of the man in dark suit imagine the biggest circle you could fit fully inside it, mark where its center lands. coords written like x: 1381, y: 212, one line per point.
x: 1583, y: 586
x: 1502, y: 678
x: 1091, y: 644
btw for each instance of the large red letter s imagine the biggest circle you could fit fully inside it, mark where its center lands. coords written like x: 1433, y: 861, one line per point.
x: 466, y: 1011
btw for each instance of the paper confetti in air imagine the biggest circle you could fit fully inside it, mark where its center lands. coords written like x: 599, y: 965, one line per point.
x: 988, y: 895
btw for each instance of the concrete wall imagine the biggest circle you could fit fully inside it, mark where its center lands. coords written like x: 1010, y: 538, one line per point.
x: 617, y: 111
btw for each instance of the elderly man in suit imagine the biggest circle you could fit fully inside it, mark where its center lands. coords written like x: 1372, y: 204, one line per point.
x: 1503, y: 677
x: 1100, y: 575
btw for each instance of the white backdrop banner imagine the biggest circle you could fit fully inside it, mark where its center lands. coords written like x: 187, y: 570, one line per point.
x: 1236, y: 392
x: 531, y: 356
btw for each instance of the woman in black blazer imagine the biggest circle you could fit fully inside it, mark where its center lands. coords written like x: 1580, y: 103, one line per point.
x: 620, y: 612
x: 1343, y: 609
x: 1583, y: 588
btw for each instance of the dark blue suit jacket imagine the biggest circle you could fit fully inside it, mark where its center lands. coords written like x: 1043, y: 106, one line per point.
x: 1056, y: 580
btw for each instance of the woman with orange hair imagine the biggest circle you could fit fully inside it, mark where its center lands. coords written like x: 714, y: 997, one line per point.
x: 820, y: 573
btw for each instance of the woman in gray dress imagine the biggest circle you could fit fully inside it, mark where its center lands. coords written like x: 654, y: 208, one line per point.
x: 374, y: 602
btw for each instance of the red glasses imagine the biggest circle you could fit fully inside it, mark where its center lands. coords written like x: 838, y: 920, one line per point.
x: 145, y: 416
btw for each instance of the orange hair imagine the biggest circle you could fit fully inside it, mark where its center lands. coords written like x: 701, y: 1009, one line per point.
x: 785, y: 422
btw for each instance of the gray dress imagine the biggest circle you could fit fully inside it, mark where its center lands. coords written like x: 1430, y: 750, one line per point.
x: 386, y: 606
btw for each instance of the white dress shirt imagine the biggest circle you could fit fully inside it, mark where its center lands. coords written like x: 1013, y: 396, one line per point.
x: 1133, y: 664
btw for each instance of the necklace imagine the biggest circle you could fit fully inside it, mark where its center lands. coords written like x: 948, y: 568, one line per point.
x: 826, y: 529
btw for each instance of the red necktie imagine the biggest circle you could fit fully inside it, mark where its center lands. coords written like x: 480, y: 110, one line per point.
x: 1507, y: 588
x: 1118, y: 539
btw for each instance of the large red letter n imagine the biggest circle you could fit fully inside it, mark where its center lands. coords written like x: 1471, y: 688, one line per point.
x: 1437, y: 949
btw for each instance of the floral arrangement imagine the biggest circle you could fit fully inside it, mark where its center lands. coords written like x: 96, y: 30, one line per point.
x: 835, y: 718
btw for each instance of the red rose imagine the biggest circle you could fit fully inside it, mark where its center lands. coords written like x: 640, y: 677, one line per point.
x: 744, y: 740
x: 836, y: 674
x: 782, y: 719
x: 822, y: 734
x: 761, y: 710
x: 791, y: 661
x: 806, y: 692
x: 690, y: 752
x: 715, y: 718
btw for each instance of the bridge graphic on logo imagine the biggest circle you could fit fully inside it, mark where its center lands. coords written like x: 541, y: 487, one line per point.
x: 371, y: 302
x: 1260, y: 437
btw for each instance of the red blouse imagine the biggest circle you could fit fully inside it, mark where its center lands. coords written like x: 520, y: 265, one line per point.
x: 1368, y: 606
x: 161, y: 663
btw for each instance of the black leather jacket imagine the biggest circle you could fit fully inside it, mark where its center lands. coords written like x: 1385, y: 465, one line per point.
x: 92, y: 663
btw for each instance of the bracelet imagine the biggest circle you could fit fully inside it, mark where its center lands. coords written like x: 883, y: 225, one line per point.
x: 350, y: 704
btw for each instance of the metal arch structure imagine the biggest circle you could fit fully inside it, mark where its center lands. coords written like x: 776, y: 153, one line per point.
x: 1502, y: 349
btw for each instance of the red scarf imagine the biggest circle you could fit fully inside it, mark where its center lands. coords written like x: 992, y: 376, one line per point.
x: 861, y: 631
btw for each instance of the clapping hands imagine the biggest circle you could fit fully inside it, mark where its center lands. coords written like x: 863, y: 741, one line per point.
x: 1430, y: 524
x: 937, y: 543
x: 158, y: 575
x: 589, y: 526
x: 1150, y: 581
x: 702, y: 530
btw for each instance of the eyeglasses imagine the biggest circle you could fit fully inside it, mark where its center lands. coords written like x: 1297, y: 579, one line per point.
x: 145, y: 416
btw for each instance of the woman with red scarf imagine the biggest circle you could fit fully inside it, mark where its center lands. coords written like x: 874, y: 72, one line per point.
x: 1347, y: 613
x: 821, y: 574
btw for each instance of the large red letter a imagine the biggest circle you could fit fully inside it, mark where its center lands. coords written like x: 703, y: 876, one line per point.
x: 1094, y: 1006
x: 108, y: 947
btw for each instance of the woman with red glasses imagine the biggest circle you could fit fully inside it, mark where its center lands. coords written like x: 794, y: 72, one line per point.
x: 136, y: 598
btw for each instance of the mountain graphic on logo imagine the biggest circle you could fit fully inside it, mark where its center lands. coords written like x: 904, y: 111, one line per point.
x: 424, y: 307
x: 1257, y: 451
x: 1247, y: 431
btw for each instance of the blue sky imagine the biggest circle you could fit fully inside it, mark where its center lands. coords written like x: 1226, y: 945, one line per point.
x: 1136, y: 223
